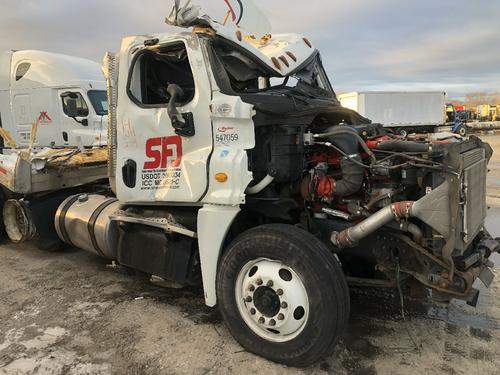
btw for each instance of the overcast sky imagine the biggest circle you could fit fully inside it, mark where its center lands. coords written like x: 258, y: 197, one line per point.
x: 451, y: 45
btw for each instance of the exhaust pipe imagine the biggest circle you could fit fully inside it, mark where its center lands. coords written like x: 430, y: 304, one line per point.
x: 433, y: 209
x: 351, y: 236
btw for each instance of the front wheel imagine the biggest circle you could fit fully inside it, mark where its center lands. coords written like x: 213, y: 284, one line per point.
x: 283, y: 294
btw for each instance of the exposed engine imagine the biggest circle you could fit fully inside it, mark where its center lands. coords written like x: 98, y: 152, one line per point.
x: 357, y: 170
x: 385, y: 204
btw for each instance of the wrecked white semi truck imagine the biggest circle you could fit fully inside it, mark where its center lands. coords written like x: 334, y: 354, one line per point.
x: 271, y: 195
x: 64, y: 95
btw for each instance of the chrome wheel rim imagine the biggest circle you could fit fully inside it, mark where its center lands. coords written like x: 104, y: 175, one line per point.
x: 272, y: 300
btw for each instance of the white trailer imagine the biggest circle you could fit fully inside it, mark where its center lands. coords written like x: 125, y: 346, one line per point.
x: 400, y: 110
x: 64, y: 95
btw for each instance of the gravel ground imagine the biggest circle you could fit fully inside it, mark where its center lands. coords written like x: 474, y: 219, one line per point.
x: 494, y: 166
x: 70, y: 313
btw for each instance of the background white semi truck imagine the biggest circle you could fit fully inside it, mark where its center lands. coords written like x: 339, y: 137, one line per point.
x: 65, y: 95
x: 404, y: 112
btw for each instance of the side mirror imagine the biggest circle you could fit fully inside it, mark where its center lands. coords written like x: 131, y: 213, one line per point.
x: 182, y: 123
x: 176, y: 95
x: 71, y: 107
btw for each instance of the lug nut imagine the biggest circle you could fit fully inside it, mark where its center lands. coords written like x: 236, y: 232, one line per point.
x: 262, y: 320
x: 270, y: 283
x: 284, y: 305
x: 279, y: 292
x: 248, y: 299
x: 281, y: 316
x: 252, y: 311
x: 251, y: 288
x: 272, y: 322
x: 259, y: 282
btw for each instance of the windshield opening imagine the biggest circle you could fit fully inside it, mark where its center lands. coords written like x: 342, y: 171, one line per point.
x: 99, y: 100
x: 246, y: 74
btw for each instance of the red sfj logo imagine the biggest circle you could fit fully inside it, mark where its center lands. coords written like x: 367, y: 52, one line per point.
x: 163, y: 152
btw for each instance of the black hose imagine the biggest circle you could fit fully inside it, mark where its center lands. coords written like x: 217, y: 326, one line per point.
x: 403, y: 146
x: 352, y: 177
x: 346, y: 130
x: 328, y: 144
x: 347, y: 141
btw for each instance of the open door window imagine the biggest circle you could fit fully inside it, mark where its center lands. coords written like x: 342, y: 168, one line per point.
x: 153, y: 72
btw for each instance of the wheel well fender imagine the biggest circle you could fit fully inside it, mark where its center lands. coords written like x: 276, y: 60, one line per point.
x: 214, y: 223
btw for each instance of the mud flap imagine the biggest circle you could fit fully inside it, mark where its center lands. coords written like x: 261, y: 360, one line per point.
x: 473, y: 297
x: 486, y: 276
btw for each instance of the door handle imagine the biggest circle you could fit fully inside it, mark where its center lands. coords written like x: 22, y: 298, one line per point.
x: 129, y: 173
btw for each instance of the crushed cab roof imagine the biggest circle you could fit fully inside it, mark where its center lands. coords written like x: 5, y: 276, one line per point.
x: 282, y: 53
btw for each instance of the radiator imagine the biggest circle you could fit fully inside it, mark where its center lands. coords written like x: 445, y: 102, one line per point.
x: 475, y: 169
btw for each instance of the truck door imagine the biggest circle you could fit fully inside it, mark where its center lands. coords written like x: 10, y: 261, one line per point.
x: 78, y: 126
x: 155, y: 161
x: 23, y: 118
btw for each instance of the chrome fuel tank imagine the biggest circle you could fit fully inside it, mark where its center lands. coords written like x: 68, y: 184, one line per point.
x: 84, y: 221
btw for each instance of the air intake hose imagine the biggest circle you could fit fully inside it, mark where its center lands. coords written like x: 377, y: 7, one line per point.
x: 352, y: 177
x: 347, y: 140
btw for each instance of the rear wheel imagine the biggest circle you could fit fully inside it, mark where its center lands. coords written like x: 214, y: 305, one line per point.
x: 283, y: 294
x: 462, y: 131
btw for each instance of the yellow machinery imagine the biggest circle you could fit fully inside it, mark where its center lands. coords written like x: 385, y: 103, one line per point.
x: 487, y: 112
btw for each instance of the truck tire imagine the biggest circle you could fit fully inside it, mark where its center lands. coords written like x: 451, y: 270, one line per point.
x: 462, y: 130
x: 283, y: 294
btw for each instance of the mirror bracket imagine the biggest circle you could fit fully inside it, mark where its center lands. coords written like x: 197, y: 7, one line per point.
x: 84, y: 122
x: 183, y: 123
x: 185, y: 128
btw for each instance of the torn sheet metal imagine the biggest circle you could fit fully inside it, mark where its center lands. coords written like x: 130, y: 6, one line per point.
x: 72, y: 158
x: 247, y: 16
x: 48, y: 169
x: 248, y: 27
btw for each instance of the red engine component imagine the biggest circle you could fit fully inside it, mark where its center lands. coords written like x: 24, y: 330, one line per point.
x: 321, y: 186
x: 325, y: 187
x: 317, y: 187
x: 329, y: 156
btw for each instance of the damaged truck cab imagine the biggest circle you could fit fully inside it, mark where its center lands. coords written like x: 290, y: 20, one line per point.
x: 232, y: 164
x: 241, y: 144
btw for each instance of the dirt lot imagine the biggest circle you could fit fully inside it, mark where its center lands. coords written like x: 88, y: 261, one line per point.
x: 494, y: 166
x: 69, y: 313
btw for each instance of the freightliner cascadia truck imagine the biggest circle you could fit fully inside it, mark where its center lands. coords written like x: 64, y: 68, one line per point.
x: 231, y: 164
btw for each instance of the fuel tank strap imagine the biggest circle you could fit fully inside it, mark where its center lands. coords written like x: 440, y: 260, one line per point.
x: 62, y: 219
x: 93, y: 220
